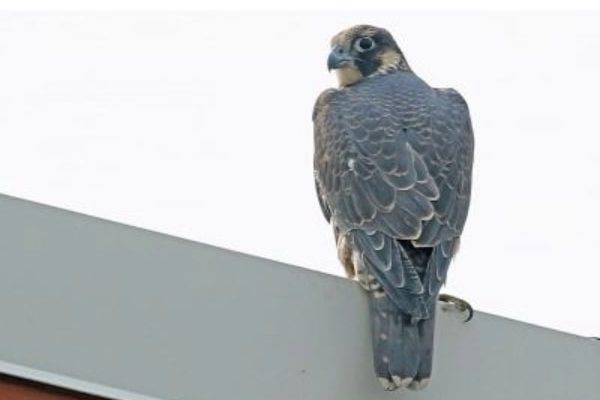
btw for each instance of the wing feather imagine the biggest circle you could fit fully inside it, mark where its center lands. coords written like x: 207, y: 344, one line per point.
x: 393, y: 163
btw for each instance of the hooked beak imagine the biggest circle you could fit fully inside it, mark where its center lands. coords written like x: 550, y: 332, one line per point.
x: 339, y: 58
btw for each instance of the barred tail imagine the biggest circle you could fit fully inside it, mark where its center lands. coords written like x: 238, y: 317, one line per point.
x: 402, y: 347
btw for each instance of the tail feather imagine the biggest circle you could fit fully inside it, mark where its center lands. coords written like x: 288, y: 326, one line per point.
x: 426, y: 335
x: 402, y: 346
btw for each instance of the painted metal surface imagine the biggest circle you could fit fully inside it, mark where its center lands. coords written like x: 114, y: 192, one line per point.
x: 127, y: 313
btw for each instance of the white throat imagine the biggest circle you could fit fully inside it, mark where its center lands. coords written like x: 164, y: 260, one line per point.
x: 348, y: 75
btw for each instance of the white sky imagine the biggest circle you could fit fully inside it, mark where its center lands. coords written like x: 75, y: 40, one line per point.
x: 198, y: 125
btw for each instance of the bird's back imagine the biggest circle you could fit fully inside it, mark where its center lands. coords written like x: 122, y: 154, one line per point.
x: 370, y: 118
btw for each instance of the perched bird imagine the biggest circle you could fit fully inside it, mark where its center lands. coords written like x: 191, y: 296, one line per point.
x: 393, y: 160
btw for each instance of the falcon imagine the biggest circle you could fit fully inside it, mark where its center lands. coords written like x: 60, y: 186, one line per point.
x: 393, y: 160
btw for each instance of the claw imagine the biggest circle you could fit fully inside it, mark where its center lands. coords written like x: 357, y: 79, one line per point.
x: 460, y: 304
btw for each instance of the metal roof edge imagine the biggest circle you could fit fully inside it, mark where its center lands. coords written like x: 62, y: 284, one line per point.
x: 67, y: 382
x: 105, y: 305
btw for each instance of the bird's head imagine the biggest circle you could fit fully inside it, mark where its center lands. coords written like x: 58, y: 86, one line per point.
x: 361, y: 51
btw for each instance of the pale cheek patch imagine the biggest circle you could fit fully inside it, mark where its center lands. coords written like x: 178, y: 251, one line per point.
x: 389, y: 58
x: 347, y: 75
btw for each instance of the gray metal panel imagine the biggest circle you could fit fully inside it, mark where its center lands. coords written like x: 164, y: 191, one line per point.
x: 133, y: 311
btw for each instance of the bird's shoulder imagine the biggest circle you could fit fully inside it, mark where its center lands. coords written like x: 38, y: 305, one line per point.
x: 453, y: 97
x: 322, y: 102
x: 454, y: 120
x: 377, y: 94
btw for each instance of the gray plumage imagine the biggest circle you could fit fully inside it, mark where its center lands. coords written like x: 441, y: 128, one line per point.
x: 393, y: 160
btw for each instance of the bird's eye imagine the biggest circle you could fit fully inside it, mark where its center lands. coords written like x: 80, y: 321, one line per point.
x: 364, y: 44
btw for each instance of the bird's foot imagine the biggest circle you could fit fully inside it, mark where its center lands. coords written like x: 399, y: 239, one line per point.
x: 455, y: 303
